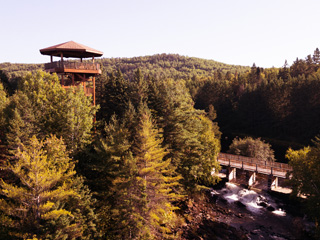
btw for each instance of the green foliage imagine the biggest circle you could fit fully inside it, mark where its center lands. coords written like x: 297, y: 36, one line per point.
x: 185, y: 132
x: 132, y: 179
x: 168, y: 65
x: 154, y: 110
x: 305, y: 178
x: 114, y: 96
x: 171, y: 106
x: 249, y: 147
x: 155, y: 180
x: 45, y: 201
x: 3, y: 104
x: 281, y: 105
x: 42, y: 107
x: 15, y: 70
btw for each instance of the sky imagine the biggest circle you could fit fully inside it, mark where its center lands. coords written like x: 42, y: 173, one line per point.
x: 239, y: 32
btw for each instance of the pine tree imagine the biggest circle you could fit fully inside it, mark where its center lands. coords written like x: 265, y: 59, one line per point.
x: 109, y: 168
x: 155, y: 181
x: 21, y: 121
x: 116, y: 95
x: 316, y: 58
x: 47, y: 200
x: 79, y: 113
x: 298, y: 67
x: 284, y: 72
x: 139, y: 92
x: 181, y: 125
x: 311, y: 66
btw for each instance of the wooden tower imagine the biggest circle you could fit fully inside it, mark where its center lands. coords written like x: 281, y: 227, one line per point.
x: 74, y: 72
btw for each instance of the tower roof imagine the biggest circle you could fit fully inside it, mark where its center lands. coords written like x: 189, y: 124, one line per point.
x: 71, y: 49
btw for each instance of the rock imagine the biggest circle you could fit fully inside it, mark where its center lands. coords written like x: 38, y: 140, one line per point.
x: 239, y: 215
x: 263, y: 204
x: 270, y: 208
x: 240, y: 204
x: 223, y: 200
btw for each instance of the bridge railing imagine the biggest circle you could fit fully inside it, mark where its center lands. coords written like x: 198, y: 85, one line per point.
x: 255, y: 162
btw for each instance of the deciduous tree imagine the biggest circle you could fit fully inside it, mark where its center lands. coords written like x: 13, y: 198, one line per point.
x: 305, y: 178
x: 43, y: 107
x: 255, y: 148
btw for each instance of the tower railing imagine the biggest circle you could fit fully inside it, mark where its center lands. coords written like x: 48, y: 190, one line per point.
x: 72, y: 65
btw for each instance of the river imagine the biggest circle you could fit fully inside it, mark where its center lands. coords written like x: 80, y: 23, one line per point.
x: 260, y: 215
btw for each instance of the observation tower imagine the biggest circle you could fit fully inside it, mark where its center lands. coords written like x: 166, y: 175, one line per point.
x: 74, y: 72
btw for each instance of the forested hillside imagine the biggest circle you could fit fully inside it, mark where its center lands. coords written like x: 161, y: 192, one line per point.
x: 165, y: 65
x: 169, y: 65
x: 161, y: 122
x: 280, y: 105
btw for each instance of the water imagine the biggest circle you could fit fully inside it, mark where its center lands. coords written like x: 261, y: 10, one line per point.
x: 255, y: 202
x: 258, y: 215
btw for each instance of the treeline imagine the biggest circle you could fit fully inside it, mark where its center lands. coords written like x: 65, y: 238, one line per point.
x: 152, y: 148
x: 159, y: 65
x: 279, y: 105
x: 19, y: 69
x: 124, y: 178
x: 169, y: 65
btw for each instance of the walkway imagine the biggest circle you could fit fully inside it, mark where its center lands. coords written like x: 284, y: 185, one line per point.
x: 254, y: 165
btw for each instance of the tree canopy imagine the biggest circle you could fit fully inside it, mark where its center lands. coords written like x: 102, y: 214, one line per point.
x: 155, y: 142
x: 41, y: 107
x: 44, y: 201
x: 305, y: 177
x: 249, y: 147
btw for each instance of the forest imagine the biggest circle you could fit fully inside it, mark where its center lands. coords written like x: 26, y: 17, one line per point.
x: 160, y: 123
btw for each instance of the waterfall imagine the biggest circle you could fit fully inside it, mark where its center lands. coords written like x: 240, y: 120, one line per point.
x: 253, y: 201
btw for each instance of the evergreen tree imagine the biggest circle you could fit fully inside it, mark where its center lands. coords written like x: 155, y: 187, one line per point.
x: 76, y: 131
x: 45, y: 202
x: 101, y: 98
x: 133, y: 180
x: 284, y: 72
x: 20, y: 121
x: 254, y: 76
x: 311, y: 67
x: 109, y: 168
x: 155, y: 181
x: 183, y: 127
x: 316, y: 58
x: 115, y: 95
x: 298, y: 67
x: 139, y: 92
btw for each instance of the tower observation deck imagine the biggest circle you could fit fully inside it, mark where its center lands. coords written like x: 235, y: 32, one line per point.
x: 74, y: 72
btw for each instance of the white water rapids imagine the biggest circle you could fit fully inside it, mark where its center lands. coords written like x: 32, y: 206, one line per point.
x: 260, y: 215
x: 254, y: 202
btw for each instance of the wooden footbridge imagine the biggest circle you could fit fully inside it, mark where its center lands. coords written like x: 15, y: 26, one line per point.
x: 253, y: 166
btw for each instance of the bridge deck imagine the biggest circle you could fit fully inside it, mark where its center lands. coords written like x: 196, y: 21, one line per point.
x: 252, y: 164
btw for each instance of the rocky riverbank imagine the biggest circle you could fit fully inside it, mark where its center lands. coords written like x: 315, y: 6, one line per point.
x: 237, y: 213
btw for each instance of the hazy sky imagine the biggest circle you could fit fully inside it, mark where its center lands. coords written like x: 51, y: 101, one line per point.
x: 242, y: 32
